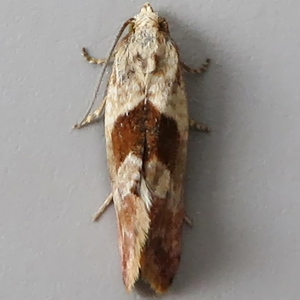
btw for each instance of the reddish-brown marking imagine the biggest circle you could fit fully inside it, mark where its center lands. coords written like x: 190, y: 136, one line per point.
x: 133, y: 220
x: 162, y: 137
x: 126, y: 220
x: 146, y: 133
x: 128, y: 134
x: 161, y: 256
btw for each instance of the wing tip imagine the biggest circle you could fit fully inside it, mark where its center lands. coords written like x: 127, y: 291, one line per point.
x: 158, y: 278
x: 159, y: 283
x: 155, y: 285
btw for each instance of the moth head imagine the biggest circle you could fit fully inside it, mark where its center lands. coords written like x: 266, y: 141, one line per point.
x: 147, y: 14
x: 149, y: 18
x: 147, y: 8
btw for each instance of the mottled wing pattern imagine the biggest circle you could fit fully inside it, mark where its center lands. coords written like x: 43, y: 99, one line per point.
x: 146, y: 125
x: 164, y: 166
x: 125, y: 141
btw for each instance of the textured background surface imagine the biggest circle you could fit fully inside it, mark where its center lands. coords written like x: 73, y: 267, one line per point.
x: 243, y: 179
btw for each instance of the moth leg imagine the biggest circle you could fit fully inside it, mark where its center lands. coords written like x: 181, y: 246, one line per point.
x: 198, y: 126
x: 92, y: 118
x: 92, y: 60
x: 188, y: 221
x: 103, y: 208
x: 202, y: 69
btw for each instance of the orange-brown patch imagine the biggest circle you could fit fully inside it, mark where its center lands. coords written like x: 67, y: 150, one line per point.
x: 128, y: 134
x: 161, y: 256
x: 133, y: 220
x: 162, y: 137
x: 146, y: 133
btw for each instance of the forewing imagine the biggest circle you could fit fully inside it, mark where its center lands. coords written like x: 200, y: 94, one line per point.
x: 164, y: 167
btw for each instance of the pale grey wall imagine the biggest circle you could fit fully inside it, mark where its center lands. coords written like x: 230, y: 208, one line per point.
x: 243, y: 179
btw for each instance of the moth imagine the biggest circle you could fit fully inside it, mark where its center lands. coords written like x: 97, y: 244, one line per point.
x: 146, y: 128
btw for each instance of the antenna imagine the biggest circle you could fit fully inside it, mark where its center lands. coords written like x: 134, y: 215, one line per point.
x: 129, y: 21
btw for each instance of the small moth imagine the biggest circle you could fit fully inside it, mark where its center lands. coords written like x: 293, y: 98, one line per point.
x: 146, y: 128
